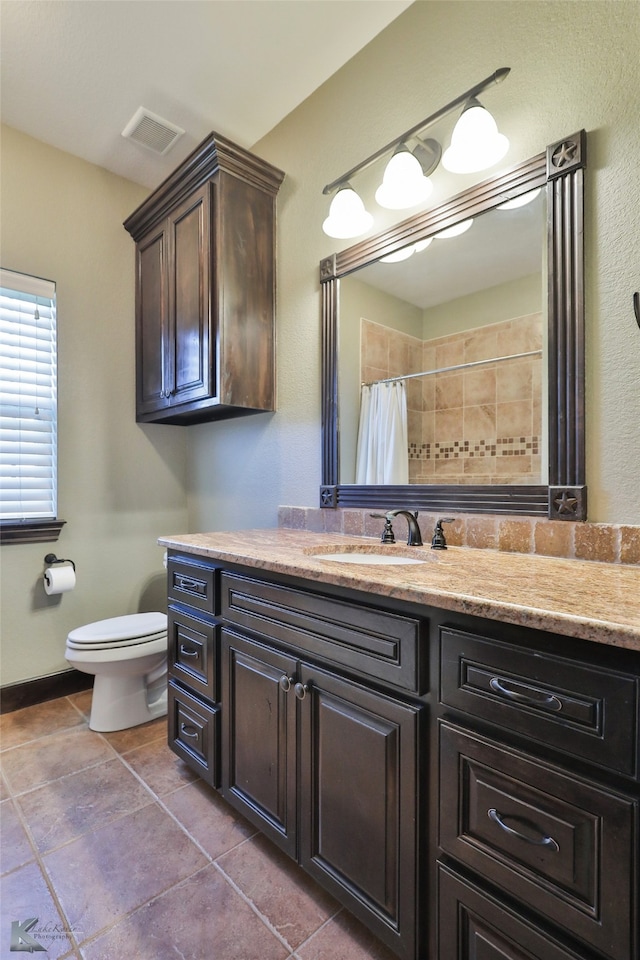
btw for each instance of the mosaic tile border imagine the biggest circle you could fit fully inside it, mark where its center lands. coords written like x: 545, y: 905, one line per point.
x: 469, y: 449
x: 601, y: 542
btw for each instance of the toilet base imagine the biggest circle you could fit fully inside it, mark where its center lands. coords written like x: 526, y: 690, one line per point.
x: 122, y: 702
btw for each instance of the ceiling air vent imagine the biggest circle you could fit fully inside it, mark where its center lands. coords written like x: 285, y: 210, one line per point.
x: 152, y: 131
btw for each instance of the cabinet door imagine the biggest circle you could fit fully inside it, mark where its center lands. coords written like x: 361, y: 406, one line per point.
x: 259, y: 739
x: 189, y: 357
x: 358, y: 802
x: 151, y: 321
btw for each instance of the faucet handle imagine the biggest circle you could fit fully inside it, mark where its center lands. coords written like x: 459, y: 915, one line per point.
x: 387, y: 533
x: 438, y: 541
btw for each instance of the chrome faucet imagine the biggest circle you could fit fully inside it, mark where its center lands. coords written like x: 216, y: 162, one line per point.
x: 414, y: 537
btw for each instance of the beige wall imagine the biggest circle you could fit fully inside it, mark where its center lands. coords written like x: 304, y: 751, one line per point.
x: 573, y: 65
x: 516, y: 298
x: 121, y: 485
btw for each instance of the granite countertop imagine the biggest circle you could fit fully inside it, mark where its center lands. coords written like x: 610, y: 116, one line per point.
x: 599, y: 602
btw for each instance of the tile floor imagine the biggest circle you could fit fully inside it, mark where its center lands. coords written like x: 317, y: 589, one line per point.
x: 118, y: 851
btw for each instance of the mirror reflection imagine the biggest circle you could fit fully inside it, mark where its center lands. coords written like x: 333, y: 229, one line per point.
x: 443, y: 358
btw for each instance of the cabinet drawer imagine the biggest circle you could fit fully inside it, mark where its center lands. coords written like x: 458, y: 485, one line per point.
x: 192, y: 583
x: 563, y: 846
x: 573, y: 707
x: 474, y: 926
x: 194, y: 733
x: 193, y: 653
x: 372, y: 642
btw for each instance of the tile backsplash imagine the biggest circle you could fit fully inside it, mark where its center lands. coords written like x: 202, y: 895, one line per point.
x: 604, y: 542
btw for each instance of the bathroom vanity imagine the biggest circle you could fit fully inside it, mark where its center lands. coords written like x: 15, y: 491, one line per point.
x: 450, y: 748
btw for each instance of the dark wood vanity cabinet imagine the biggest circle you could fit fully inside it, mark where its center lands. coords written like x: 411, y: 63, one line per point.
x: 326, y: 765
x: 538, y: 801
x: 470, y: 790
x: 327, y: 769
x: 193, y: 630
x: 474, y: 925
x: 205, y: 288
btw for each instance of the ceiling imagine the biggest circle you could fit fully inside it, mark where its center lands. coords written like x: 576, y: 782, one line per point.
x: 500, y: 246
x: 74, y: 72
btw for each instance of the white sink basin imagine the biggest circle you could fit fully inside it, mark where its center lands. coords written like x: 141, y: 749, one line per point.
x: 372, y: 558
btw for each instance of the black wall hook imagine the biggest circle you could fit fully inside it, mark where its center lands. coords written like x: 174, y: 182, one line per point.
x: 636, y: 306
x: 51, y: 559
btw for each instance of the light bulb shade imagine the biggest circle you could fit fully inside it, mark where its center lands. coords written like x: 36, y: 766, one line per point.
x: 455, y: 231
x: 520, y: 201
x: 475, y: 142
x: 403, y: 184
x: 399, y: 255
x: 406, y: 252
x: 347, y: 216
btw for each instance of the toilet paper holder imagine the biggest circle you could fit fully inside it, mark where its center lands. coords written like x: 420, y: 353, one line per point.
x: 51, y: 558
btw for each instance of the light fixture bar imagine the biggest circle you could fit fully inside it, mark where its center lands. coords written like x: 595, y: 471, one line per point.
x: 496, y: 77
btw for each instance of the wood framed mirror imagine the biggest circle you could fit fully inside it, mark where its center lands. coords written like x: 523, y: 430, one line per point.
x: 558, y: 489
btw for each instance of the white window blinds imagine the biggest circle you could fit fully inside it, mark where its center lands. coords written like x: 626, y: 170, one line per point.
x: 28, y: 382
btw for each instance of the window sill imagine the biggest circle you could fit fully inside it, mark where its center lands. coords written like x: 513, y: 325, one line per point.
x: 30, y: 531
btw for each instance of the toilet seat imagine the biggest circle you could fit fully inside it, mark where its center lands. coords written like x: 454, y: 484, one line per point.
x: 116, y: 632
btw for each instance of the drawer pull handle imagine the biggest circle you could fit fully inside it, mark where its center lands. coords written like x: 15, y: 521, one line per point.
x: 301, y: 690
x: 187, y: 653
x: 285, y: 683
x: 542, y: 842
x: 183, y: 582
x: 188, y: 731
x: 549, y: 701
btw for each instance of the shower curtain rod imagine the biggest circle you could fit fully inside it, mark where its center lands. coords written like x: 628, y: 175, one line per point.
x: 457, y: 366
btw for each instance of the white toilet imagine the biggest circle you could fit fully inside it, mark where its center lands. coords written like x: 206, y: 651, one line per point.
x: 128, y: 656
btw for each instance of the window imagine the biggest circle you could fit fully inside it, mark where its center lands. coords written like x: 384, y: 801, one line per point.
x: 28, y: 410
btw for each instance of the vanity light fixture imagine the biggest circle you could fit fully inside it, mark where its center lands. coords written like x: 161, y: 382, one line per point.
x: 475, y: 145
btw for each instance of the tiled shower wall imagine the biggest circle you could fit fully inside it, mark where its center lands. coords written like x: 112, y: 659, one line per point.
x: 478, y: 425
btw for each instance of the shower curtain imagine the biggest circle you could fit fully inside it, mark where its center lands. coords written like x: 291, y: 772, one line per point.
x: 382, y: 454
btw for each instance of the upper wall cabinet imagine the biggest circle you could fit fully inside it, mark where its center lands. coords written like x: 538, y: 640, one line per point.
x: 205, y: 288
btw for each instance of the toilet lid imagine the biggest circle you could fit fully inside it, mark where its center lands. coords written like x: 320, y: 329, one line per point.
x: 119, y: 644
x: 134, y: 628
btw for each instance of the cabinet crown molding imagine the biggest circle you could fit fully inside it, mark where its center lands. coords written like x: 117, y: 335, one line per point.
x: 213, y: 155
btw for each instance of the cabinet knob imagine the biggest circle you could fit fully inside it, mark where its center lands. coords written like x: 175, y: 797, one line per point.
x: 285, y: 683
x: 301, y: 690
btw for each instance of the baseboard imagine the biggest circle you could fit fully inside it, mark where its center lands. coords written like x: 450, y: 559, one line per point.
x: 14, y: 696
